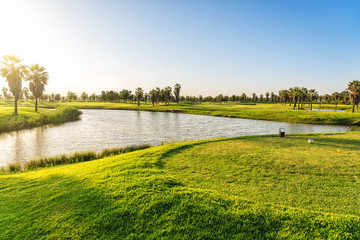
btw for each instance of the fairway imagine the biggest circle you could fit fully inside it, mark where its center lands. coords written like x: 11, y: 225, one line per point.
x: 239, y: 188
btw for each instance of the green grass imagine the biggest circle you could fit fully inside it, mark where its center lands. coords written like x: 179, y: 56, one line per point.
x: 262, y: 111
x: 69, y: 158
x: 28, y: 118
x: 260, y: 187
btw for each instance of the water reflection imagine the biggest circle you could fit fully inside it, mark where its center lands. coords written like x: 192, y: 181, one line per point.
x: 100, y: 129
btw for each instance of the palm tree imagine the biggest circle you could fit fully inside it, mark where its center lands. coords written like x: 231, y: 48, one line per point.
x: 26, y: 93
x: 354, y: 89
x: 303, y: 95
x: 5, y: 92
x: 153, y: 96
x: 272, y: 96
x: 284, y: 96
x: 312, y: 94
x: 14, y: 72
x: 139, y: 94
x: 243, y: 97
x: 267, y: 96
x: 335, y: 96
x: 167, y: 94
x: 177, y: 88
x: 295, y: 94
x: 38, y: 78
x: 253, y: 97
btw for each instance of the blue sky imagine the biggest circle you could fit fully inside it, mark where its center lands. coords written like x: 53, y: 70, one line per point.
x: 209, y: 47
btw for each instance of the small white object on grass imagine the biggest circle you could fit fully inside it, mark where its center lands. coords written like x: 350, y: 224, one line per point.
x: 311, y: 140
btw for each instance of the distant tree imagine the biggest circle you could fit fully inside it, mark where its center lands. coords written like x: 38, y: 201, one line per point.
x: 84, y: 96
x: 284, y: 96
x: 14, y: 72
x: 312, y: 95
x: 295, y: 93
x: 57, y: 97
x: 153, y: 96
x: 320, y: 101
x: 38, y: 78
x: 146, y: 97
x: 254, y: 97
x: 139, y: 94
x: 25, y: 91
x: 167, y: 94
x: 52, y: 96
x: 267, y: 96
x: 345, y: 97
x: 219, y: 98
x: 71, y: 96
x: 103, y: 96
x: 272, y: 96
x: 111, y: 96
x: 44, y: 97
x: 200, y: 98
x: 5, y: 92
x: 354, y: 89
x: 261, y: 97
x: 335, y: 96
x: 243, y: 97
x: 92, y: 97
x: 177, y: 88
x: 124, y: 95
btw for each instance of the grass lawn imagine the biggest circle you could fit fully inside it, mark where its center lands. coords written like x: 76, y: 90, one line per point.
x: 262, y: 111
x: 259, y: 187
x: 28, y: 118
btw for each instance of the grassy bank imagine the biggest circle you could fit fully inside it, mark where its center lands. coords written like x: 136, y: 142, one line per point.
x: 27, y: 118
x: 261, y: 187
x: 69, y: 158
x: 261, y: 111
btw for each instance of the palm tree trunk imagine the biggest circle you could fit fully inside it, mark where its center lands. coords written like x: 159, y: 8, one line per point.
x: 310, y: 105
x: 138, y: 102
x: 15, y: 110
x: 36, y: 104
x: 353, y: 108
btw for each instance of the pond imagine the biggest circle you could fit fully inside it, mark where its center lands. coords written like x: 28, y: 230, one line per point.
x: 99, y: 129
x: 325, y: 110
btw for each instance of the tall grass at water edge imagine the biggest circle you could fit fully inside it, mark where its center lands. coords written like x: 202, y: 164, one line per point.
x: 69, y: 158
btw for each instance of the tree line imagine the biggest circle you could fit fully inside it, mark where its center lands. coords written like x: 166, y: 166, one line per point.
x: 14, y: 73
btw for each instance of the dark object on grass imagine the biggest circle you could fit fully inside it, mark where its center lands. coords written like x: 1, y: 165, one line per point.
x: 281, y: 132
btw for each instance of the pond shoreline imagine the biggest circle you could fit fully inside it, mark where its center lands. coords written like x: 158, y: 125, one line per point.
x: 29, y: 119
x: 101, y: 129
x: 262, y: 111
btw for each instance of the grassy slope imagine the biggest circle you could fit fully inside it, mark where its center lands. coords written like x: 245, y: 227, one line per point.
x: 28, y: 118
x: 263, y: 111
x: 246, y: 188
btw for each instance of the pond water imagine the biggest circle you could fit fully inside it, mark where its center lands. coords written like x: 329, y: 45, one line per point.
x: 99, y: 129
x: 325, y: 110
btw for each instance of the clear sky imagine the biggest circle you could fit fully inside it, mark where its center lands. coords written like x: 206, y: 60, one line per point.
x: 207, y: 46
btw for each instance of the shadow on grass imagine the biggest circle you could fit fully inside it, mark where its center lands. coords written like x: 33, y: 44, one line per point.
x: 67, y: 207
x: 349, y: 144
